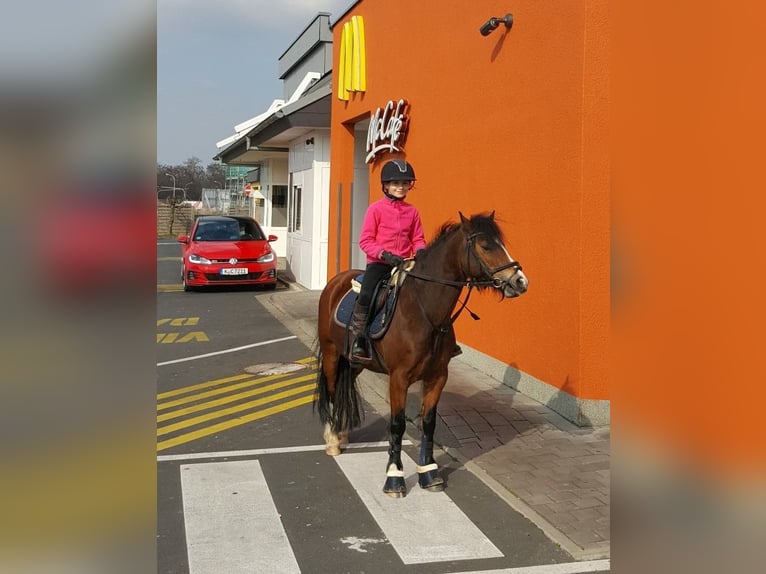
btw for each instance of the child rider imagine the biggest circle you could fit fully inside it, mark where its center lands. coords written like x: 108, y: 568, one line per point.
x: 391, y: 232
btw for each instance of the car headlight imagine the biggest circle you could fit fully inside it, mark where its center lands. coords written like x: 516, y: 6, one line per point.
x: 199, y: 260
x: 266, y: 258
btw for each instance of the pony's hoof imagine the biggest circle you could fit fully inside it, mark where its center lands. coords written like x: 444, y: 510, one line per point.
x: 435, y: 487
x: 430, y: 480
x: 332, y: 450
x: 395, y: 487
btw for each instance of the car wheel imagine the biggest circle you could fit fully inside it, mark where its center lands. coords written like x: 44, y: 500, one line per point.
x: 271, y: 286
x: 183, y: 280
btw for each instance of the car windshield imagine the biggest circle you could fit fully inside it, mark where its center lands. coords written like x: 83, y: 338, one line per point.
x: 228, y: 230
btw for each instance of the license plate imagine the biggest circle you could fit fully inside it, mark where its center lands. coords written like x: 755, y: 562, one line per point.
x: 234, y: 271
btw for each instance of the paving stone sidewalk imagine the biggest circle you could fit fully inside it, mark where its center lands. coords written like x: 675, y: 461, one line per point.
x: 552, y: 471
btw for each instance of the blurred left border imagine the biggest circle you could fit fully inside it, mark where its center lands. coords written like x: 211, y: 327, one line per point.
x: 78, y: 241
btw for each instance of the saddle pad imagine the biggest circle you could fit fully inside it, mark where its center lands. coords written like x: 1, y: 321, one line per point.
x: 346, y: 308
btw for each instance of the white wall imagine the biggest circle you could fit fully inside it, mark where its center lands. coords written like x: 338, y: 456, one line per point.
x: 307, y: 248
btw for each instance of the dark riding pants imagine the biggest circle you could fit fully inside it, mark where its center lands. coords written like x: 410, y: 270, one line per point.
x: 372, y: 276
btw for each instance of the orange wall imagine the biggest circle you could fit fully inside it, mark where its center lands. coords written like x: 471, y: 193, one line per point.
x: 515, y: 122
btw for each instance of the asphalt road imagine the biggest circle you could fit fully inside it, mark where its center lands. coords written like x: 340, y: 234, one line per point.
x: 243, y: 481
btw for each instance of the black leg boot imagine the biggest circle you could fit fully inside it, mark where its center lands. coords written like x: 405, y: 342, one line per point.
x: 360, y: 352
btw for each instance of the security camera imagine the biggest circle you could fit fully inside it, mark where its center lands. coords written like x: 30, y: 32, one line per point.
x: 490, y: 25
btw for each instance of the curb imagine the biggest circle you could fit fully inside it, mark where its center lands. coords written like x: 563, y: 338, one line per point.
x: 525, y: 510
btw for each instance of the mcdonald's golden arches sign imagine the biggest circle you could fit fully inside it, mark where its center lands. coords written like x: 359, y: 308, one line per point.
x: 352, y: 76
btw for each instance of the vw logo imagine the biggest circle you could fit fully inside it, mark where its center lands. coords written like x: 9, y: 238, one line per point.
x: 233, y: 260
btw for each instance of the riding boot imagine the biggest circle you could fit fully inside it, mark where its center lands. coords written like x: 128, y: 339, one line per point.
x: 359, y: 347
x: 456, y: 351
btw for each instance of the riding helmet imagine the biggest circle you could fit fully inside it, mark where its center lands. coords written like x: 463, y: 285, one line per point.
x: 397, y: 170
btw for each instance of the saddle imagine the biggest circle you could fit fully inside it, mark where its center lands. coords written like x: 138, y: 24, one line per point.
x: 383, y: 302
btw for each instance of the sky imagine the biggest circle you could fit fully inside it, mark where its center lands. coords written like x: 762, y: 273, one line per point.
x: 217, y: 66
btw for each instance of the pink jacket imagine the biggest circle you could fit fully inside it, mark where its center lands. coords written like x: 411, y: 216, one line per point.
x: 393, y: 226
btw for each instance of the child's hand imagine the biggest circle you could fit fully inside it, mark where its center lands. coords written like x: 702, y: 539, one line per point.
x: 391, y: 259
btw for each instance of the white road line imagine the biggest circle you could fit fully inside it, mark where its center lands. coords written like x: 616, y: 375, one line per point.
x: 262, y: 451
x: 232, y: 524
x: 564, y: 568
x: 226, y: 351
x: 457, y: 538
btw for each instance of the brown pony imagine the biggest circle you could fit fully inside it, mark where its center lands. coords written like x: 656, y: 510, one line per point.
x: 419, y: 342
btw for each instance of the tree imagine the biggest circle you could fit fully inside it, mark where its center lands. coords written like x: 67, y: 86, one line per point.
x: 215, y: 176
x: 190, y: 177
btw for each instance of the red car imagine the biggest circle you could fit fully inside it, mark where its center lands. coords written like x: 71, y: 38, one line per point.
x: 228, y: 250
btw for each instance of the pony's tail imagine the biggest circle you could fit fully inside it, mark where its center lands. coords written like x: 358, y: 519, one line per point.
x: 321, y: 393
x: 347, y: 411
x: 343, y: 410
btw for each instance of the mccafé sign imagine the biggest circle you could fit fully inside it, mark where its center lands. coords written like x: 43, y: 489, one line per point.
x: 388, y: 129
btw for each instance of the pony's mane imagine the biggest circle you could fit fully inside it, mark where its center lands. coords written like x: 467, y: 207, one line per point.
x: 480, y: 223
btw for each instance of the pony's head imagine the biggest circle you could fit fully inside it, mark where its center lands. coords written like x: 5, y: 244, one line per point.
x: 488, y: 259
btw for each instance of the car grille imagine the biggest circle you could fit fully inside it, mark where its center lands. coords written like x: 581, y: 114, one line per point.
x: 248, y: 277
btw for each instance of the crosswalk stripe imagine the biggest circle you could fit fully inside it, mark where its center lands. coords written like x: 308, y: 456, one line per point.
x: 455, y: 537
x: 560, y: 568
x: 232, y: 524
x: 231, y: 410
x: 215, y: 382
x: 206, y: 431
x: 232, y: 398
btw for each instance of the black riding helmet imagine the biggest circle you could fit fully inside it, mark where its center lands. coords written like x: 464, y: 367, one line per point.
x: 397, y: 170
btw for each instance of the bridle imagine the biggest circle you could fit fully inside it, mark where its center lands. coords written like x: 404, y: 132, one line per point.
x: 491, y: 281
x: 470, y: 249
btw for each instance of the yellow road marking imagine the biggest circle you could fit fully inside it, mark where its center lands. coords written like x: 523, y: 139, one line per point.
x: 215, y: 382
x: 170, y: 287
x: 232, y: 398
x: 184, y: 390
x: 184, y: 438
x: 231, y: 410
x: 196, y: 335
x: 169, y: 258
x: 178, y: 321
x: 219, y: 391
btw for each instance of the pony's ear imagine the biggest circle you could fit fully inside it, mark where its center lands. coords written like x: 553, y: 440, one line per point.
x: 464, y: 223
x: 492, y: 215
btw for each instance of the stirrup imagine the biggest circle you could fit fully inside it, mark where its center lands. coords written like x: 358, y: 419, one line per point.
x: 357, y: 360
x: 359, y: 346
